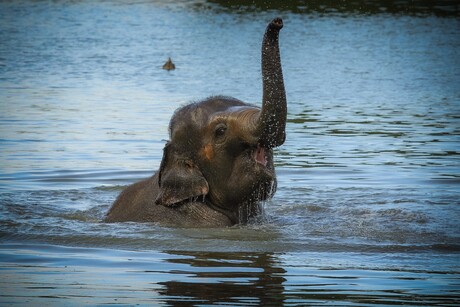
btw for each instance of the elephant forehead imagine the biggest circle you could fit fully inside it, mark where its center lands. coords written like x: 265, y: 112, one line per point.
x: 241, y: 120
x: 242, y: 109
x: 193, y: 125
x: 233, y: 115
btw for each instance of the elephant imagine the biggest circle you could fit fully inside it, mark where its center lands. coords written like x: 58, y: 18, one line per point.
x: 218, y: 163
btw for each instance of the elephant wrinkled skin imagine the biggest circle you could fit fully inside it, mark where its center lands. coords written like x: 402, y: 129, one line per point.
x: 218, y: 163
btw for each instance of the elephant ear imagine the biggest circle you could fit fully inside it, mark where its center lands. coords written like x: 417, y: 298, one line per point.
x: 179, y: 179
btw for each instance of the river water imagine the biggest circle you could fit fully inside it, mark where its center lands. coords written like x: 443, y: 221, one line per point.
x: 368, y: 203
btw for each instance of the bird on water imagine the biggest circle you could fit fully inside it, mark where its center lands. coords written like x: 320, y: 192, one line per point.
x: 169, y: 65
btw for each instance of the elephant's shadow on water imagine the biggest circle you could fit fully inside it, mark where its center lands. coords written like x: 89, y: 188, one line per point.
x: 217, y: 277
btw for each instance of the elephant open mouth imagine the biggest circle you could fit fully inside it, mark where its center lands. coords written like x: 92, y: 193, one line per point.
x: 259, y: 155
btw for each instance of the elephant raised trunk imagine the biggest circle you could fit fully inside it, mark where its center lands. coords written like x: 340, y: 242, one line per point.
x: 218, y: 163
x: 272, y: 120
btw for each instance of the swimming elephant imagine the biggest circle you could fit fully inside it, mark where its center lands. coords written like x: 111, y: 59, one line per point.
x: 218, y: 163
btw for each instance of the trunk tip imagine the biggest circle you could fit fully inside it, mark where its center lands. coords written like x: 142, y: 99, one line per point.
x: 276, y: 24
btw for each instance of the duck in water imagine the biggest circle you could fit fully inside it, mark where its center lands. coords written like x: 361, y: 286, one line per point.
x: 169, y: 65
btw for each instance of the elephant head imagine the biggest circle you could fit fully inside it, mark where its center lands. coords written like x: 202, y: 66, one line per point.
x: 220, y: 149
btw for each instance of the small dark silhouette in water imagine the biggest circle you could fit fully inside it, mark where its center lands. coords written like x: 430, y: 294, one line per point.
x: 169, y: 65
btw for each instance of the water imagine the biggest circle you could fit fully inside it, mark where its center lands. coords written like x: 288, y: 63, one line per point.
x: 367, y: 206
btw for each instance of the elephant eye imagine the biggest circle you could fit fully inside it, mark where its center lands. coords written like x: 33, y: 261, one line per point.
x: 220, y: 130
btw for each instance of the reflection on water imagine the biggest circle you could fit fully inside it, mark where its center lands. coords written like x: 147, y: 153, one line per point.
x: 367, y: 206
x: 225, y: 278
x: 58, y: 275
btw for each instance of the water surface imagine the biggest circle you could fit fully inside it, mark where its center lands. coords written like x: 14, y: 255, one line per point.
x: 367, y: 206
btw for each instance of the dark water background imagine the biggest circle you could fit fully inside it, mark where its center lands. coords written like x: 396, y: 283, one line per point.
x: 368, y: 205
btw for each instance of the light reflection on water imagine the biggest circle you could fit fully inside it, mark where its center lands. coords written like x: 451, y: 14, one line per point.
x: 241, y: 279
x: 367, y: 206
